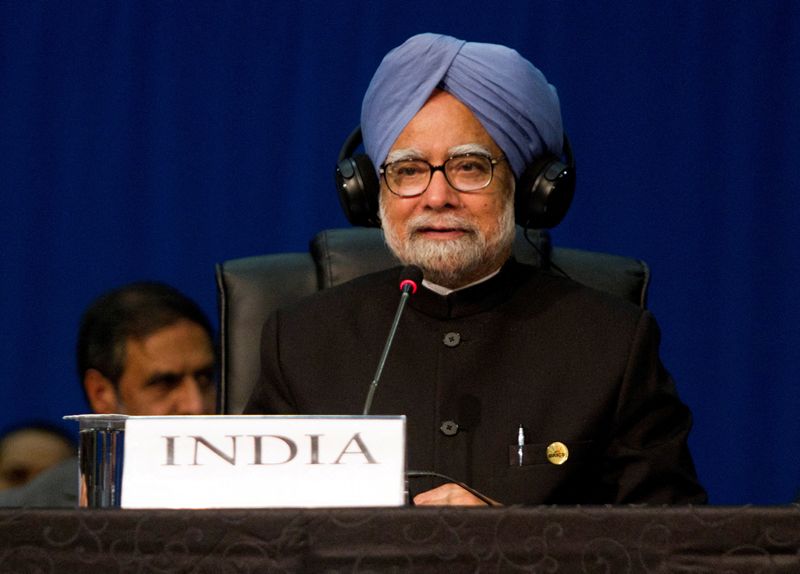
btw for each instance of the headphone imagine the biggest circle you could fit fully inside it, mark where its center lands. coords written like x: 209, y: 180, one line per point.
x: 541, y: 200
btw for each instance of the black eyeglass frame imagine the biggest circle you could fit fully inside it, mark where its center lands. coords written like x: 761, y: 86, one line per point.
x: 441, y: 167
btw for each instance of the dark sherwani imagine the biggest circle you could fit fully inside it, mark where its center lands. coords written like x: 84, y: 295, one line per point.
x: 568, y: 363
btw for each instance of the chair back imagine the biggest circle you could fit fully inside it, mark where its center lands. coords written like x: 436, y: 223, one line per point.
x: 250, y: 288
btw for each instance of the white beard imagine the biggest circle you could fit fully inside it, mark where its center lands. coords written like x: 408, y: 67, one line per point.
x: 457, y: 262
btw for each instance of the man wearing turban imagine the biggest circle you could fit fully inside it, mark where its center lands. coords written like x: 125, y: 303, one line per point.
x: 527, y: 387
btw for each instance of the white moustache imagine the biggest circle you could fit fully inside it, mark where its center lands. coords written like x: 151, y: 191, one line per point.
x: 440, y: 223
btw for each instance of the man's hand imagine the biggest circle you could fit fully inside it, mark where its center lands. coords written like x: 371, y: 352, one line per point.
x: 449, y: 495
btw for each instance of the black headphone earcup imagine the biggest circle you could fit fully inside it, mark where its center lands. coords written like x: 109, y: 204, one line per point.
x: 544, y: 193
x: 358, y: 188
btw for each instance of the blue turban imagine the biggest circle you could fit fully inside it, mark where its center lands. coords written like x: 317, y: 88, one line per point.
x: 510, y: 97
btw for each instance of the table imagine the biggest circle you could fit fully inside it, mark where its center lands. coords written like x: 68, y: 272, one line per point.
x: 512, y: 539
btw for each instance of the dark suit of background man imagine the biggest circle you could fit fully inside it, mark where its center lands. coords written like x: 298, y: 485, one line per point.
x: 488, y: 345
x: 143, y: 349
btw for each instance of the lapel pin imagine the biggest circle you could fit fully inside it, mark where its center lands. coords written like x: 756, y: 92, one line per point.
x: 557, y: 453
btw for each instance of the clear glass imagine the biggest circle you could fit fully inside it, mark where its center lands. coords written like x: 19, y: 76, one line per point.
x: 100, y: 459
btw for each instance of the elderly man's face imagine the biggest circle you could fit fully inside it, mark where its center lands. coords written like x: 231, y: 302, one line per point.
x: 456, y: 238
x: 170, y: 372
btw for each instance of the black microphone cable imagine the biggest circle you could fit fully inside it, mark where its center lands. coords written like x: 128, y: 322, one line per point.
x: 542, y: 258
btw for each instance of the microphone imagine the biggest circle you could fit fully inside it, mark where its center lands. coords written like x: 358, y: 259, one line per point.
x: 410, y: 278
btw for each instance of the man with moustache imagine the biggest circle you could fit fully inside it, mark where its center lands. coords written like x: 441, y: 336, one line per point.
x: 527, y: 387
x: 143, y: 349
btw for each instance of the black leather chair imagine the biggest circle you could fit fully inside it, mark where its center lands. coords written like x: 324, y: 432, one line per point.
x: 249, y: 289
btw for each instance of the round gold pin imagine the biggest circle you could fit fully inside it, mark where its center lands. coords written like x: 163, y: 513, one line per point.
x: 557, y: 453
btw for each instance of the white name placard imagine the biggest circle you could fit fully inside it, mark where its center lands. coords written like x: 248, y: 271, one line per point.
x: 263, y: 461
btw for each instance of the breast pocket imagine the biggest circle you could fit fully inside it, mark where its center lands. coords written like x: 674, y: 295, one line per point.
x: 555, y: 472
x: 556, y: 453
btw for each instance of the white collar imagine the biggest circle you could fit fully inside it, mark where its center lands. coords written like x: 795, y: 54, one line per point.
x: 446, y: 290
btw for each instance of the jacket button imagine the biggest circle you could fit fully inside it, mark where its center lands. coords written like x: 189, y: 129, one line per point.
x: 449, y: 428
x: 451, y: 339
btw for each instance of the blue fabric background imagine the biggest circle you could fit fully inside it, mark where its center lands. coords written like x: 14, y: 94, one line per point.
x: 151, y: 139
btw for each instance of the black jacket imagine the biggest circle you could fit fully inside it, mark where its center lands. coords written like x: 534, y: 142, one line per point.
x: 569, y: 364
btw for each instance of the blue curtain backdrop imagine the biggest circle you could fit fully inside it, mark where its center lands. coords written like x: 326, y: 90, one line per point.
x: 153, y: 139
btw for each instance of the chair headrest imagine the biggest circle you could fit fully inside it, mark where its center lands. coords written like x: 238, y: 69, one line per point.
x: 344, y: 254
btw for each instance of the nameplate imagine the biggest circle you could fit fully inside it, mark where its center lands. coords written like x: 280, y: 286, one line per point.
x: 263, y: 461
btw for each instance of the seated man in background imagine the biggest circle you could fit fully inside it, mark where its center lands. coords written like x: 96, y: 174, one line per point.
x: 143, y: 349
x: 29, y: 449
x: 526, y: 386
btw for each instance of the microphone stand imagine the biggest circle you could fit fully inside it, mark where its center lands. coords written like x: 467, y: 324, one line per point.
x: 374, y: 385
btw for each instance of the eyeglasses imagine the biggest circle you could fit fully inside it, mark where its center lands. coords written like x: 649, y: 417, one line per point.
x: 466, y: 173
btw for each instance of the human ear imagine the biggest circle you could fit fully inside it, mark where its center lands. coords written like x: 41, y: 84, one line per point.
x: 101, y: 392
